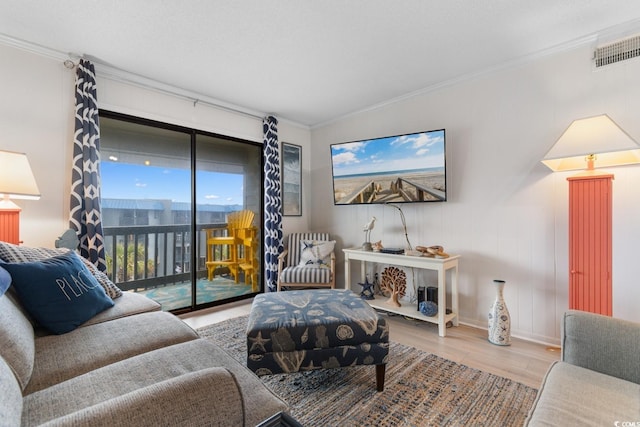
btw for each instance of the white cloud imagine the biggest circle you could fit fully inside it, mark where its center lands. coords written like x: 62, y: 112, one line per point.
x: 345, y: 158
x: 351, y: 146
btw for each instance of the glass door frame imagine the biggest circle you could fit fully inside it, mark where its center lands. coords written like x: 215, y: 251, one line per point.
x: 194, y: 231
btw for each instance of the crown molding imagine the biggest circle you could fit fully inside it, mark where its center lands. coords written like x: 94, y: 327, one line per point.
x: 33, y: 48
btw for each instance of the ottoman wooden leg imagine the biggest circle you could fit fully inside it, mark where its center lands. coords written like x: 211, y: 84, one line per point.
x: 380, y: 376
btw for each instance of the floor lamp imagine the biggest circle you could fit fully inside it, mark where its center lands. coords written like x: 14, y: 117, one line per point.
x: 16, y: 182
x: 587, y: 144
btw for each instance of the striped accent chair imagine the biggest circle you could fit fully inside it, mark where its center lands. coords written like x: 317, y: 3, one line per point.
x: 308, y: 260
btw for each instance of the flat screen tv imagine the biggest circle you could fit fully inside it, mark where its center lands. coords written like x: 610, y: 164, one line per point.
x: 394, y: 169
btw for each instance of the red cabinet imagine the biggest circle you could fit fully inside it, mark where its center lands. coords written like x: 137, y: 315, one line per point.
x: 590, y: 259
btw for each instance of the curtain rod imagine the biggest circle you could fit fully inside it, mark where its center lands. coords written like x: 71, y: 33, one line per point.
x: 71, y: 59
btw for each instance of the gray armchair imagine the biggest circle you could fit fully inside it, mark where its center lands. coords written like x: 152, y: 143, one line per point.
x: 597, y: 380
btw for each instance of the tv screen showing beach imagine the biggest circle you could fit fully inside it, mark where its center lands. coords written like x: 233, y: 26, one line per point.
x: 394, y: 169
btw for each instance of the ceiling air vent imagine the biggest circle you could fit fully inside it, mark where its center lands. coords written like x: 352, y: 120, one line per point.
x: 618, y: 51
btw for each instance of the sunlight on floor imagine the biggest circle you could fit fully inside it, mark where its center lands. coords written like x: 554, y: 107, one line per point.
x: 200, y: 318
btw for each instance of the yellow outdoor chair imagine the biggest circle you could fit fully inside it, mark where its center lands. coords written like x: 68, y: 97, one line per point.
x: 226, y: 245
x: 248, y: 255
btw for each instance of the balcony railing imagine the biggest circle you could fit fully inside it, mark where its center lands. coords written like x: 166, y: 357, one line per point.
x: 149, y: 256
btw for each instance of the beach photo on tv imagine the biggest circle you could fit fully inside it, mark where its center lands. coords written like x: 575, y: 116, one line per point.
x: 394, y: 169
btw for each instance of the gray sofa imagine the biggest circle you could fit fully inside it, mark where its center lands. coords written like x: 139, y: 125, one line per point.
x: 597, y: 380
x: 131, y: 365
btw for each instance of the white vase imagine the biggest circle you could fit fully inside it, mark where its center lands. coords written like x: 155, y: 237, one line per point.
x: 499, y: 319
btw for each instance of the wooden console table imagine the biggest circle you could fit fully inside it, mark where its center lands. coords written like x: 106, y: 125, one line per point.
x: 410, y: 310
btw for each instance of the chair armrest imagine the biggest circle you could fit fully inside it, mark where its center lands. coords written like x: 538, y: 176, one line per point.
x: 602, y: 344
x: 196, y: 398
x: 284, y: 254
x: 281, y: 259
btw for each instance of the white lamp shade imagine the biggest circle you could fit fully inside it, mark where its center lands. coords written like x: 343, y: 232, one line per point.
x: 597, y: 135
x: 16, y: 178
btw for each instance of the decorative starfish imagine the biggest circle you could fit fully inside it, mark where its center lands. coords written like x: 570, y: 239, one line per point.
x: 367, y: 289
x: 259, y: 342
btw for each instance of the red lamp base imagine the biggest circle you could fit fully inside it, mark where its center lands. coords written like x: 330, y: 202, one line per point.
x: 10, y: 225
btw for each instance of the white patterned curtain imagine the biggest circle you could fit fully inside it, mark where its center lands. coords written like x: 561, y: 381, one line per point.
x: 272, y: 202
x: 85, y: 216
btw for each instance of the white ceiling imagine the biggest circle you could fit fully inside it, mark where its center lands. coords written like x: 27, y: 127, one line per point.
x: 308, y: 61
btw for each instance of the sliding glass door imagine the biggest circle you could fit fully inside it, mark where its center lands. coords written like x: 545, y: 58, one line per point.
x: 228, y: 206
x: 166, y: 191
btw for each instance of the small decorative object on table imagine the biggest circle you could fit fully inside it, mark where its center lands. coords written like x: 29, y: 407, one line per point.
x: 436, y: 251
x: 394, y: 281
x: 366, y: 246
x: 377, y: 246
x: 422, y: 295
x: 428, y: 308
x: 376, y: 285
x: 395, y: 251
x: 499, y: 319
x: 367, y: 289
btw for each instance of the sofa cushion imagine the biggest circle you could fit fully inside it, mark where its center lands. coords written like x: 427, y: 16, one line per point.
x: 129, y: 304
x: 11, y: 407
x: 17, y: 340
x: 144, y: 370
x: 15, y: 253
x: 571, y: 395
x: 186, y: 400
x: 59, y: 292
x: 61, y: 357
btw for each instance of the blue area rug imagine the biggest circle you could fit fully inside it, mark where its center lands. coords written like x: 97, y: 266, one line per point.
x: 177, y: 296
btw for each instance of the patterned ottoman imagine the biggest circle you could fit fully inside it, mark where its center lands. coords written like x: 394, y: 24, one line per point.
x: 315, y: 329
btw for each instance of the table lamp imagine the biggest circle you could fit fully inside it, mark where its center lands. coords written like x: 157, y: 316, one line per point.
x: 16, y: 182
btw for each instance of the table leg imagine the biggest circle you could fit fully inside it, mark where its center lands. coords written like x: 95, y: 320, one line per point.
x: 380, y: 377
x: 442, y: 301
x: 347, y: 273
x: 454, y: 293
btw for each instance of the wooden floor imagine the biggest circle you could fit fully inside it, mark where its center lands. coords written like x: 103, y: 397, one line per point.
x: 522, y: 361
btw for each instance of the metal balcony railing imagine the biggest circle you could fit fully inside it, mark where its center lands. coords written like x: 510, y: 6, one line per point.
x: 148, y: 256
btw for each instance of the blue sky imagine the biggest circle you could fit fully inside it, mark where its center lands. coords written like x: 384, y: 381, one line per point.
x: 127, y: 181
x: 414, y: 151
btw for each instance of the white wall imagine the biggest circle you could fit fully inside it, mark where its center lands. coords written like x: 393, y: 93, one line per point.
x: 506, y: 213
x: 36, y: 117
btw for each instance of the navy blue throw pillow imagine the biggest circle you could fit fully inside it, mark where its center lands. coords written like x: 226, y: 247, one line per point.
x: 5, y: 281
x: 59, y: 292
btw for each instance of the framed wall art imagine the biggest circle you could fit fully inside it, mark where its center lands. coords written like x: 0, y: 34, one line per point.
x: 291, y: 179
